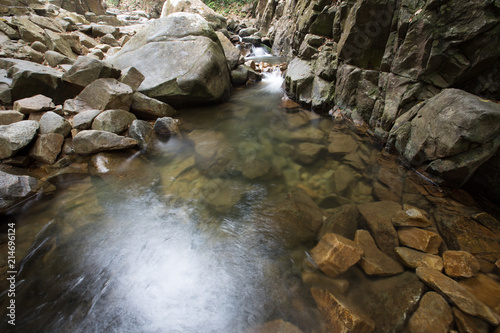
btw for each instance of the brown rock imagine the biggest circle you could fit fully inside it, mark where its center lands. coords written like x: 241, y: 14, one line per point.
x: 340, y: 143
x: 374, y: 261
x: 413, y: 259
x: 498, y: 263
x: 433, y: 315
x: 485, y: 289
x: 9, y: 117
x: 342, y: 220
x: 36, y: 103
x: 458, y: 294
x: 376, y: 216
x: 47, y: 147
x: 423, y: 240
x: 276, y: 326
x: 335, y: 254
x: 460, y: 264
x: 339, y: 316
x: 411, y: 217
x: 466, y: 323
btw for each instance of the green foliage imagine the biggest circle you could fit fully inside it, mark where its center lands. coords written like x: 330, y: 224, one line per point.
x: 112, y: 3
x: 224, y: 6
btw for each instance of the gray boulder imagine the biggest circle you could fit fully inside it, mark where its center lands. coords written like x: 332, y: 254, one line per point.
x: 99, y: 30
x: 231, y: 52
x: 29, y: 31
x: 16, y: 136
x: 84, y: 120
x: 10, y: 117
x: 14, y: 188
x: 33, y: 104
x: 109, y: 39
x: 29, y: 79
x: 105, y: 94
x: 215, y: 20
x: 51, y: 122
x: 86, y: 70
x: 146, y: 107
x: 89, y: 142
x: 115, y: 121
x: 199, y: 77
x: 47, y: 147
x: 56, y: 42
x: 141, y: 131
x: 247, y: 32
x: 55, y: 58
x: 452, y: 133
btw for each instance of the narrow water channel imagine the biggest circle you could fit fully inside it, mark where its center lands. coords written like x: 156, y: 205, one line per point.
x: 178, y: 239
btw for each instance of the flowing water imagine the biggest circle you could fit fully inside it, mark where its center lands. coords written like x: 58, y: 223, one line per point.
x: 174, y: 242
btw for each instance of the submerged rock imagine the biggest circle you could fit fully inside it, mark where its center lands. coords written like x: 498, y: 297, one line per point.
x: 199, y: 76
x: 373, y: 261
x: 335, y: 254
x: 460, y: 264
x: 423, y: 240
x: 433, y: 315
x: 413, y: 259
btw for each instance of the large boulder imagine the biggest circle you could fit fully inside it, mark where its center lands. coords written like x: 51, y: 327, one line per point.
x: 16, y: 136
x: 86, y: 70
x: 215, y: 20
x: 114, y: 121
x: 146, y: 107
x: 452, y: 133
x: 193, y: 67
x: 231, y: 52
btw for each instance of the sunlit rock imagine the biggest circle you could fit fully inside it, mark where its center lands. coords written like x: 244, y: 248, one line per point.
x: 36, y: 103
x: 115, y: 121
x: 84, y: 119
x: 433, y: 315
x: 14, y: 188
x: 90, y: 141
x: 51, y: 122
x: 460, y: 264
x: 216, y: 20
x: 413, y: 259
x: 16, y: 136
x: 458, y: 295
x: 86, y: 70
x: 335, y: 254
x: 423, y: 240
x: 105, y: 94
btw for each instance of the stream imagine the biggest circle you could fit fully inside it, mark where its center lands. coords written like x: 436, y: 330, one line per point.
x: 175, y: 242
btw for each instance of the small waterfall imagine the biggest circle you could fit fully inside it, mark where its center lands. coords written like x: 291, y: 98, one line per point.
x: 258, y: 53
x: 273, y: 81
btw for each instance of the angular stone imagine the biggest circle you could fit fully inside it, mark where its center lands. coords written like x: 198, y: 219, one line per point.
x: 307, y: 152
x: 86, y: 70
x: 86, y: 41
x: 99, y: 30
x: 276, y: 326
x: 46, y: 23
x: 106, y: 94
x: 29, y: 31
x: 486, y: 289
x: 458, y: 295
x: 335, y: 254
x: 423, y: 240
x: 36, y: 103
x: 10, y: 117
x: 141, y: 131
x: 374, y: 261
x: 14, y: 188
x: 54, y: 59
x: 29, y: 78
x: 132, y: 77
x: 146, y: 107
x: 55, y: 42
x: 39, y: 46
x: 460, y: 264
x: 413, y: 259
x: 433, y: 315
x: 84, y: 119
x: 340, y: 143
x: 411, y: 217
x: 109, y: 40
x: 466, y: 323
x: 51, y: 122
x: 90, y: 141
x: 377, y: 218
x: 73, y: 42
x: 16, y: 136
x: 115, y: 121
x: 47, y: 147
x: 167, y: 126
x: 339, y: 316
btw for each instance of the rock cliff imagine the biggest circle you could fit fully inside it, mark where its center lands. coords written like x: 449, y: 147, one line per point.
x: 377, y: 60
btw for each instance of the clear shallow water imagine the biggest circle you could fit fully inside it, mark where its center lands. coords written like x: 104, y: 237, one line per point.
x: 175, y: 242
